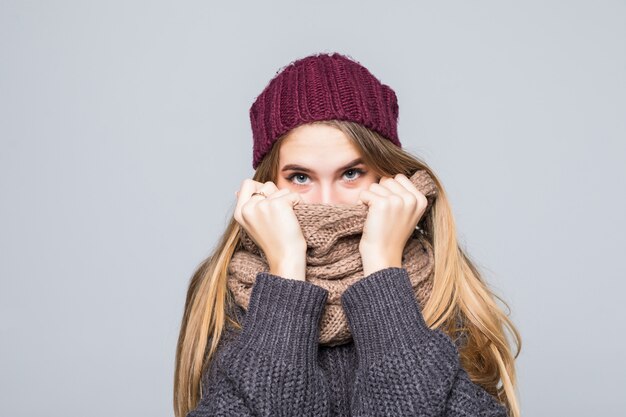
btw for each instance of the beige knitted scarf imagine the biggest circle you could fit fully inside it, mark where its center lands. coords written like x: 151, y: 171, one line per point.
x: 332, y: 233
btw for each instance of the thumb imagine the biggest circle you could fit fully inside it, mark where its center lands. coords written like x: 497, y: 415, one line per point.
x: 365, y: 198
x: 278, y: 194
x: 294, y: 198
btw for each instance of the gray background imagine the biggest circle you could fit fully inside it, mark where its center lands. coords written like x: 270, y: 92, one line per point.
x: 125, y: 133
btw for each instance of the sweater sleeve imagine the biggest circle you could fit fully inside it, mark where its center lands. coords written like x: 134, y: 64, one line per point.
x: 404, y: 367
x: 271, y: 367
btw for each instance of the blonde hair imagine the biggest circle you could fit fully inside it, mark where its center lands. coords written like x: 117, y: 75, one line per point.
x: 461, y: 303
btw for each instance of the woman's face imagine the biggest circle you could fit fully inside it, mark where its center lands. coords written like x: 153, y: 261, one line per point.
x: 322, y: 164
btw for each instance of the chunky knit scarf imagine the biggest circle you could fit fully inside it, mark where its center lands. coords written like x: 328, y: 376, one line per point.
x: 333, y: 233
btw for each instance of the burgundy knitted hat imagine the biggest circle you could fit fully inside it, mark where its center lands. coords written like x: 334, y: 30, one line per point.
x: 321, y: 87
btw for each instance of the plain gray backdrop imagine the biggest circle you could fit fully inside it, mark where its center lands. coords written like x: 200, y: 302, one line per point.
x: 125, y: 133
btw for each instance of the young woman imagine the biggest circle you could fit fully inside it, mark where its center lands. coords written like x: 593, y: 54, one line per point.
x: 339, y: 287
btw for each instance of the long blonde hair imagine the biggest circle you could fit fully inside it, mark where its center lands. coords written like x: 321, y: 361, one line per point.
x: 461, y: 303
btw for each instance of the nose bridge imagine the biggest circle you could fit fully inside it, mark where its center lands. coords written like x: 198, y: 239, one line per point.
x: 328, y: 192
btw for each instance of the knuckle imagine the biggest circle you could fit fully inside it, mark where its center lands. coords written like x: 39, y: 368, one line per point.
x: 264, y: 205
x: 422, y: 200
x: 395, y: 200
x: 247, y: 210
x: 411, y: 202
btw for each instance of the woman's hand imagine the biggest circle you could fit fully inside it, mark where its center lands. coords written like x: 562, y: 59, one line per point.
x: 272, y: 224
x: 395, y: 208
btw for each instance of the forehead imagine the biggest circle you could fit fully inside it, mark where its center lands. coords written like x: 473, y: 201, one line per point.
x: 317, y: 146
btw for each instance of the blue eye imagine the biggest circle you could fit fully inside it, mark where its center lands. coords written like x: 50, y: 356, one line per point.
x: 355, y: 170
x: 352, y: 175
x: 291, y: 177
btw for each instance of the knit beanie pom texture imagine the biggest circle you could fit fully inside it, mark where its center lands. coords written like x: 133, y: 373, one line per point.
x: 321, y: 87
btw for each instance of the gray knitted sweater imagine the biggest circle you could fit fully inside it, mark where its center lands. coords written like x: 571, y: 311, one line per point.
x: 393, y: 366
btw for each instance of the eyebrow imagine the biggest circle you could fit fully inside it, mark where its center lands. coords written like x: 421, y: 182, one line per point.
x: 295, y: 167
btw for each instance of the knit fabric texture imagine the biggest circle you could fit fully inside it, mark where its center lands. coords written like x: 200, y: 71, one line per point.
x: 394, y: 366
x: 332, y: 234
x: 321, y: 87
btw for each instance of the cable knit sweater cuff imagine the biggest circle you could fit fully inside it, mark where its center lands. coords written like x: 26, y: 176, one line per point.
x: 283, y: 317
x: 383, y: 313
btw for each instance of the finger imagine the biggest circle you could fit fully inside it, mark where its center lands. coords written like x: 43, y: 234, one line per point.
x: 248, y: 186
x: 278, y: 194
x: 409, y: 197
x: 293, y: 198
x: 368, y: 197
x: 394, y: 186
x: 245, y: 197
x: 380, y: 189
x: 268, y: 188
x: 406, y: 182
